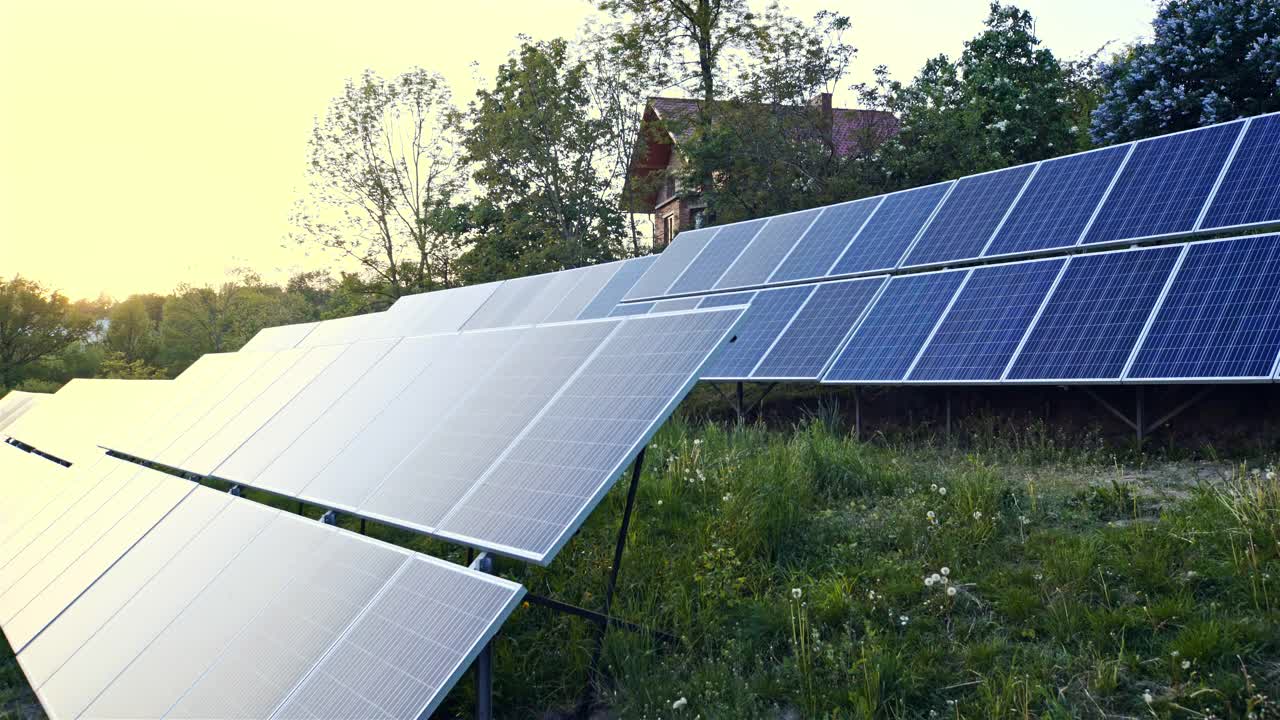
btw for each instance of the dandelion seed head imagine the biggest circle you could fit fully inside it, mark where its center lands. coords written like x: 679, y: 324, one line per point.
x: 945, y: 570
x: 1146, y: 697
x: 1186, y: 664
x: 942, y: 491
x: 796, y: 593
x: 679, y: 704
x: 951, y: 591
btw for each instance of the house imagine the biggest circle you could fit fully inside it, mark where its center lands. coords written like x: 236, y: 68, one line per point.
x: 651, y: 185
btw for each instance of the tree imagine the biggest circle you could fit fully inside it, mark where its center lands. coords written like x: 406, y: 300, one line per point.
x: 199, y: 320
x: 1005, y: 101
x: 132, y: 332
x: 117, y: 366
x: 34, y: 324
x: 695, y: 34
x: 1208, y: 61
x: 383, y: 160
x: 535, y: 146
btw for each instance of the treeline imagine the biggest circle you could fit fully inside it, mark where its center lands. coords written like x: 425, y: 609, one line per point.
x: 46, y: 340
x: 420, y: 192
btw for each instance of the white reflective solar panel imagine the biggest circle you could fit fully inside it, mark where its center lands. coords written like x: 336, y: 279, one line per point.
x: 439, y: 311
x: 767, y: 250
x: 591, y: 281
x: 281, y: 337
x: 674, y: 305
x: 619, y: 285
x: 533, y: 498
x: 340, y: 331
x: 260, y: 409
x: 553, y: 290
x: 301, y: 411
x: 74, y: 421
x: 507, y: 302
x: 403, y: 654
x: 297, y: 463
x: 671, y: 263
x: 15, y: 404
x: 447, y: 462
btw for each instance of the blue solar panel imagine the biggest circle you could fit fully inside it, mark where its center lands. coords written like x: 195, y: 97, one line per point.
x: 1164, y: 184
x: 607, y: 299
x: 760, y: 326
x: 1058, y: 202
x: 761, y: 258
x: 662, y: 306
x: 1221, y: 317
x: 889, y: 338
x: 969, y: 216
x: 671, y: 263
x: 803, y: 351
x: 1249, y: 193
x: 639, y: 308
x: 827, y: 238
x: 1095, y: 315
x: 720, y: 253
x: 981, y: 331
x: 741, y: 298
x: 889, y: 232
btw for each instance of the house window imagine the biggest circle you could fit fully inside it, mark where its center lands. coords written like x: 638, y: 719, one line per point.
x: 669, y: 228
x: 669, y: 186
x: 697, y: 217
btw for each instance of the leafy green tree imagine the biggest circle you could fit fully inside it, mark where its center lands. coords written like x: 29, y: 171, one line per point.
x: 535, y: 147
x: 1005, y: 101
x: 383, y: 159
x: 1208, y: 61
x: 133, y: 332
x: 116, y: 365
x: 199, y: 320
x: 35, y: 324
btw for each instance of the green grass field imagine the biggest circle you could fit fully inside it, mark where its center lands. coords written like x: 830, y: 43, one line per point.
x: 808, y: 575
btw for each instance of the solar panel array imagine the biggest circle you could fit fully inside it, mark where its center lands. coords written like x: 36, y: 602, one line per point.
x: 1199, y: 181
x: 125, y: 592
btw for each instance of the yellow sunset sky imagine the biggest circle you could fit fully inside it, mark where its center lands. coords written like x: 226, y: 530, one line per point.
x: 148, y: 143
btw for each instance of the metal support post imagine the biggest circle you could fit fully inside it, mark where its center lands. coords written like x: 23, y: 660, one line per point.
x: 740, y: 404
x: 362, y: 526
x: 484, y: 661
x: 857, y: 414
x: 329, y: 518
x: 235, y: 491
x: 1139, y: 415
x: 948, y: 415
x: 593, y: 670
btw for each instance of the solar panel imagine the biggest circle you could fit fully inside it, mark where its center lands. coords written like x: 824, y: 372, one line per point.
x: 1092, y: 320
x: 507, y: 302
x: 340, y: 331
x: 888, y: 339
x: 619, y: 284
x: 281, y: 337
x: 639, y: 308
x: 987, y: 321
x: 1058, y: 202
x: 73, y: 421
x: 591, y: 280
x: 740, y: 298
x: 531, y: 502
x: 1249, y: 194
x: 448, y: 461
x: 673, y: 261
x: 825, y: 241
x: 969, y: 216
x: 1164, y: 185
x: 554, y: 289
x: 292, y: 419
x: 374, y: 451
x: 674, y: 305
x: 715, y: 259
x: 762, y: 322
x: 771, y: 245
x: 1221, y: 316
x: 15, y: 404
x: 299, y: 461
x: 889, y: 232
x: 804, y: 349
x: 439, y: 311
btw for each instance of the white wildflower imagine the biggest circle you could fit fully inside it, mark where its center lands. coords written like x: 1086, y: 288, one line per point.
x: 695, y: 444
x: 977, y: 514
x: 679, y: 704
x: 945, y: 570
x: 659, y: 503
x: 942, y: 491
x: 931, y: 515
x: 951, y: 591
x: 929, y: 581
x: 933, y: 487
x: 1186, y: 664
x: 903, y: 620
x: 1146, y: 697
x: 796, y: 593
x: 1175, y: 653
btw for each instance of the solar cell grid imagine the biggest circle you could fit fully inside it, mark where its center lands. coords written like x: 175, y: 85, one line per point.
x: 674, y: 305
x: 1249, y: 193
x: 281, y: 337
x: 763, y: 321
x: 1221, y: 316
x: 530, y: 503
x: 771, y: 245
x: 989, y: 318
x: 671, y: 263
x: 716, y: 257
x: 825, y: 241
x: 969, y: 216
x: 638, y: 308
x: 553, y: 290
x: 1164, y: 185
x: 889, y: 232
x: 1058, y: 201
x: 591, y: 281
x: 441, y: 310
x: 888, y: 339
x: 1092, y: 320
x: 818, y: 329
x: 740, y: 298
x: 507, y: 302
x: 619, y: 284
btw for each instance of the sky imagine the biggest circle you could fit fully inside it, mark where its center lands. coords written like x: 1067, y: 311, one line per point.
x: 147, y: 143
